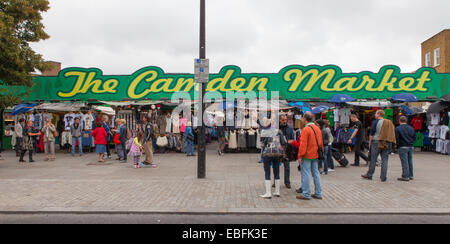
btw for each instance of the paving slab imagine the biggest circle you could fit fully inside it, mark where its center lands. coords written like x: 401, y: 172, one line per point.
x: 233, y: 184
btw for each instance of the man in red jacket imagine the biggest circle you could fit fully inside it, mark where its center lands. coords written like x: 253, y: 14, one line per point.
x: 308, y: 156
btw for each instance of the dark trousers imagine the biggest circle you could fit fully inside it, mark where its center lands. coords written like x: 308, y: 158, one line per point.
x: 359, y: 153
x: 124, y: 147
x: 287, y: 173
x: 30, y: 154
x: 108, y: 153
x: 276, y: 167
x: 18, y: 147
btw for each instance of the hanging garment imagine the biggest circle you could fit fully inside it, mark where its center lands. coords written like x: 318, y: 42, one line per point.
x: 258, y: 140
x: 168, y: 125
x: 178, y: 142
x: 162, y: 124
x: 87, y: 139
x: 242, y: 140
x: 66, y: 138
x: 183, y: 123
x: 88, y: 121
x: 175, y: 124
x: 232, y: 142
x: 251, y: 139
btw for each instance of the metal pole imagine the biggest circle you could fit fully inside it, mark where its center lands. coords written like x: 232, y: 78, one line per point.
x: 201, y: 158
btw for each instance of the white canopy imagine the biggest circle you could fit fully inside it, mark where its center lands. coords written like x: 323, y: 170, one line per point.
x: 105, y: 110
x: 61, y: 107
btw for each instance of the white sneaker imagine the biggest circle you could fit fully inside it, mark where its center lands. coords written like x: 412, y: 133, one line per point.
x: 330, y: 170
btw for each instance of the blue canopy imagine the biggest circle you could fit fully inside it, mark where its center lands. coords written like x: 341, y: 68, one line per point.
x: 22, y: 108
x: 305, y: 107
x: 406, y: 109
x: 404, y: 97
x: 319, y: 109
x: 227, y: 105
x: 341, y: 98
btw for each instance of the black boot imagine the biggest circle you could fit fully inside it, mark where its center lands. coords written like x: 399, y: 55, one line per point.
x: 21, y: 156
x: 30, y: 157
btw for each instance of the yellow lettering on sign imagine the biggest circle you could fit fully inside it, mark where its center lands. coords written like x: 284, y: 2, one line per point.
x: 219, y: 84
x: 424, y: 78
x: 137, y: 80
x: 368, y: 83
x: 82, y: 86
x: 387, y: 82
x: 78, y: 84
x: 314, y: 77
x: 255, y: 81
x: 345, y: 83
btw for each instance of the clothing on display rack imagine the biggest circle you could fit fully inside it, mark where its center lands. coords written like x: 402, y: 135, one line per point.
x: 68, y: 120
x: 232, y: 141
x: 88, y: 121
x: 444, y: 132
x: 434, y: 131
x: 251, y: 139
x: 175, y: 124
x: 435, y: 118
x: 168, y: 124
x: 242, y: 140
x: 38, y: 120
x: 416, y: 123
x: 183, y: 123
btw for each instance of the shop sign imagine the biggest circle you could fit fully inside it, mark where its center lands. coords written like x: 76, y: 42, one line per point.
x: 292, y: 82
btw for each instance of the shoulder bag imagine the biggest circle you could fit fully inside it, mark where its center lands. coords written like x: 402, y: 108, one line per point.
x: 319, y: 149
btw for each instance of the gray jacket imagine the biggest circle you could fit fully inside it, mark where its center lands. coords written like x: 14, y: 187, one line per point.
x: 75, y: 132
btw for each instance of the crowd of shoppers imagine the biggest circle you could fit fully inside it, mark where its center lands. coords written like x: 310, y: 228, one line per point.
x: 314, y: 144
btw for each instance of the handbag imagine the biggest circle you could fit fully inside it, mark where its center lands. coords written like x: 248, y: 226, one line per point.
x: 319, y: 149
x: 274, y: 148
x: 162, y: 141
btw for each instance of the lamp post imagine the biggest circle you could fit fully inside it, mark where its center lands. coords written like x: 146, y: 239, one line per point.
x: 201, y: 154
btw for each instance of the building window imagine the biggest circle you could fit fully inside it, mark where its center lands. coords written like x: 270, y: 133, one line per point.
x: 428, y: 60
x: 437, y: 59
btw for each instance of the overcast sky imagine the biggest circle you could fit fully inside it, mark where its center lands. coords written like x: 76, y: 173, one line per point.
x: 262, y: 36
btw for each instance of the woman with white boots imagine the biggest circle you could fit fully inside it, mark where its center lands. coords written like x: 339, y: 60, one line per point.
x: 273, y: 143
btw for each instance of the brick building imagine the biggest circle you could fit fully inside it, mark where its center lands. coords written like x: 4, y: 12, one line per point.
x: 436, y: 52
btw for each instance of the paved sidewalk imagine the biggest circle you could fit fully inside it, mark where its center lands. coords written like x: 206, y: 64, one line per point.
x: 233, y: 184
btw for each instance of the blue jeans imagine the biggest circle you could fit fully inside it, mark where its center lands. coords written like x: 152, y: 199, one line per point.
x: 287, y: 172
x: 324, y: 162
x: 276, y: 167
x: 80, y: 145
x: 406, y: 157
x: 311, y: 167
x: 373, y: 161
x: 189, y: 147
x: 329, y: 157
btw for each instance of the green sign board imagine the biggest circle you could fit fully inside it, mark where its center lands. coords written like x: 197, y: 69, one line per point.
x: 293, y: 82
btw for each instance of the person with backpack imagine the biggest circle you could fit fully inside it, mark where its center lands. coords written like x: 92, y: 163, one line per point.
x: 273, y: 143
x: 309, y: 154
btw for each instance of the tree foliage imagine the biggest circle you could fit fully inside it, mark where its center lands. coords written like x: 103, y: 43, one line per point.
x: 20, y: 25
